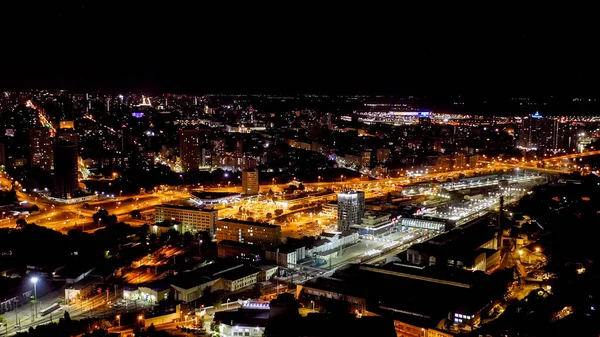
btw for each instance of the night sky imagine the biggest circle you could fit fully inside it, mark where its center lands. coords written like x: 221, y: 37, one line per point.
x: 298, y: 49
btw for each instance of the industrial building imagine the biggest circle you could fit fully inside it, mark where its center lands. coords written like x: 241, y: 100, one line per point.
x: 471, y: 248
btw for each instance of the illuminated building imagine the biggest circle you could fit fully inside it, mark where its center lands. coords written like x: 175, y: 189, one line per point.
x: 189, y: 150
x: 256, y: 233
x: 67, y: 125
x: 68, y: 135
x: 351, y: 209
x: 40, y: 145
x: 218, y: 146
x: 250, y: 182
x: 382, y: 155
x: 538, y: 132
x: 191, y: 218
x: 65, y: 168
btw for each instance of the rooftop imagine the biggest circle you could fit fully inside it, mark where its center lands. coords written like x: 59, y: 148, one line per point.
x: 249, y: 223
x: 243, y: 317
x: 214, y: 195
x: 238, y: 273
x: 189, y: 208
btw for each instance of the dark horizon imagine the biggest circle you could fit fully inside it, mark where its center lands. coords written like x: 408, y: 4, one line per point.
x: 194, y: 50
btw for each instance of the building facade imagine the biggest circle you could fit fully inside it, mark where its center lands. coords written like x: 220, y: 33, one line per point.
x: 40, y: 147
x: 250, y: 182
x: 351, y: 209
x: 65, y: 169
x: 255, y: 233
x: 192, y: 219
x: 189, y: 150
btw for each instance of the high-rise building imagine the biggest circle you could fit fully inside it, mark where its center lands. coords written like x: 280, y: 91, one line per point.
x: 68, y: 134
x: 2, y: 154
x: 351, y: 209
x: 539, y: 132
x: 383, y: 155
x: 40, y: 147
x: 250, y: 181
x: 189, y: 149
x: 239, y: 147
x: 218, y: 146
x: 65, y: 169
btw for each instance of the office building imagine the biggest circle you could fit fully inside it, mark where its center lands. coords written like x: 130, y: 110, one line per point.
x: 40, y: 147
x: 192, y: 219
x: 68, y: 134
x: 255, y: 233
x: 250, y: 182
x: 65, y: 169
x: 351, y: 209
x: 189, y: 150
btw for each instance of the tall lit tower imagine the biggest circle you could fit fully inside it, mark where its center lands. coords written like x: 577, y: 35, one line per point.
x: 189, y: 149
x: 351, y: 209
x: 250, y: 181
x: 40, y: 147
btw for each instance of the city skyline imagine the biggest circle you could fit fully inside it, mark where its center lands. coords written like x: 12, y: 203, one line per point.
x: 173, y: 169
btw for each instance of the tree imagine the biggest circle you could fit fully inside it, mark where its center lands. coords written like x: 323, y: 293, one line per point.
x: 35, y: 208
x: 2, y: 320
x: 269, y: 215
x: 135, y: 214
x: 21, y: 223
x: 278, y: 212
x: 101, y: 215
x: 215, y: 328
x: 301, y: 187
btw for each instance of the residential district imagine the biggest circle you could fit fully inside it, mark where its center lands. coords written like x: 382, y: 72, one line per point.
x: 257, y: 215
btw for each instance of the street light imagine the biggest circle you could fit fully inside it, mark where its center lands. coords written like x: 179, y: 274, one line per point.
x: 34, y: 281
x: 313, y: 305
x: 119, y: 319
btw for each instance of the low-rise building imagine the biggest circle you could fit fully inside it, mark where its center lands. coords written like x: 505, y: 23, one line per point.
x: 256, y: 233
x: 375, y: 223
x: 192, y: 219
x: 465, y: 248
x: 248, y: 321
x: 239, y: 250
x: 286, y: 255
x: 239, y: 278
